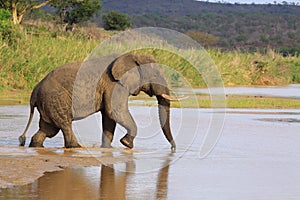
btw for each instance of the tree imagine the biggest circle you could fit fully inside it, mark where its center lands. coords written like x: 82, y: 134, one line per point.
x: 75, y: 11
x: 115, y: 21
x: 18, y: 8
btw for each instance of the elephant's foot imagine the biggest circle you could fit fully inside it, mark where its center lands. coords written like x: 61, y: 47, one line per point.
x: 127, y: 141
x: 106, y: 146
x: 22, y: 140
x: 106, y: 140
x: 38, y: 139
x: 35, y: 144
x: 73, y: 145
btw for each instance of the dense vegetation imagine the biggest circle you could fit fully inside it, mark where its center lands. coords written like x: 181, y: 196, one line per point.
x: 237, y: 26
x: 187, y: 7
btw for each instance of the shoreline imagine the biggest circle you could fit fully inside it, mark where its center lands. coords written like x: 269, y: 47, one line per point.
x: 200, y: 101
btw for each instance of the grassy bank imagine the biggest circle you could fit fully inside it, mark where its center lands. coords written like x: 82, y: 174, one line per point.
x: 201, y: 101
x: 269, y: 68
x: 35, y: 53
x: 37, y: 50
x: 232, y: 101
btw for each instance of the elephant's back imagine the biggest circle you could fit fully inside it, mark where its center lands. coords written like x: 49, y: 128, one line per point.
x: 65, y: 75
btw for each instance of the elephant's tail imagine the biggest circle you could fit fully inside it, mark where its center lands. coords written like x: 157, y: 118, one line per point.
x: 22, y: 138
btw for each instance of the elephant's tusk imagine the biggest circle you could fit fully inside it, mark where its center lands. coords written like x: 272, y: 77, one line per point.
x: 174, y: 98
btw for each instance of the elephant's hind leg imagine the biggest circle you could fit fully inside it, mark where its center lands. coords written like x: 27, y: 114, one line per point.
x: 45, y: 130
x: 38, y: 139
x: 69, y: 137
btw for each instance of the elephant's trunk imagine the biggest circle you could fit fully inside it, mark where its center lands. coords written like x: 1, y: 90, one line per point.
x: 164, y: 117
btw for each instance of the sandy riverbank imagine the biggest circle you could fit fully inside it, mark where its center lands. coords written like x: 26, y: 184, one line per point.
x: 21, y: 166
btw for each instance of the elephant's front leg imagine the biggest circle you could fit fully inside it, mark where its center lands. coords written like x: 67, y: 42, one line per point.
x: 108, y: 126
x: 124, y: 118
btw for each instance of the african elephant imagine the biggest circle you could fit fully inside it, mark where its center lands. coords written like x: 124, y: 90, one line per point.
x: 121, y: 77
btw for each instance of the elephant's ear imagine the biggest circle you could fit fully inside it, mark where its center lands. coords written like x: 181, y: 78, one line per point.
x: 128, y: 61
x: 122, y: 65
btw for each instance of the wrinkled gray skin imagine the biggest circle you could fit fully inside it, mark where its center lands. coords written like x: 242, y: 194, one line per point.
x: 126, y: 75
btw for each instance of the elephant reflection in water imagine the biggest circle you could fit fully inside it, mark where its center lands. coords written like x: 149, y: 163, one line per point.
x: 75, y: 184
x: 114, y: 184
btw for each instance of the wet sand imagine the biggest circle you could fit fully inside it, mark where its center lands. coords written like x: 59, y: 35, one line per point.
x: 21, y: 166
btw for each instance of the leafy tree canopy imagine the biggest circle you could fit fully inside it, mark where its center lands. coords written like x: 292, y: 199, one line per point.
x: 115, y: 21
x: 18, y: 8
x: 70, y: 11
x: 76, y: 11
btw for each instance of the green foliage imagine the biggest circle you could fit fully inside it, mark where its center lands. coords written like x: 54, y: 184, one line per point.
x: 241, y: 38
x: 8, y: 33
x: 236, y: 26
x: 295, y: 71
x: 267, y: 68
x: 75, y: 11
x: 115, y: 21
x: 290, y: 51
x: 18, y: 8
x: 4, y: 21
x: 38, y: 52
x: 233, y: 29
x: 4, y: 15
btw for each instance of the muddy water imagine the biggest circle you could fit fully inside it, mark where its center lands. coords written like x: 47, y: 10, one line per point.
x: 256, y: 157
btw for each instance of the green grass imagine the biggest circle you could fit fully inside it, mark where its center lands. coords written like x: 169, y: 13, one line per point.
x: 231, y: 101
x: 261, y: 102
x: 241, y: 102
x: 256, y: 68
x: 35, y: 55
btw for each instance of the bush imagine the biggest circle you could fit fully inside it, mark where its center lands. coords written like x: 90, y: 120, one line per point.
x: 290, y: 51
x: 5, y: 24
x: 115, y: 21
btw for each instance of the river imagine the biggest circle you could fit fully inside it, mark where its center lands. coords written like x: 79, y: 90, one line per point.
x: 256, y: 157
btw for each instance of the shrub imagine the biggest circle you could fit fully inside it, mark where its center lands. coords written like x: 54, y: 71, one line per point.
x: 115, y: 21
x: 5, y: 24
